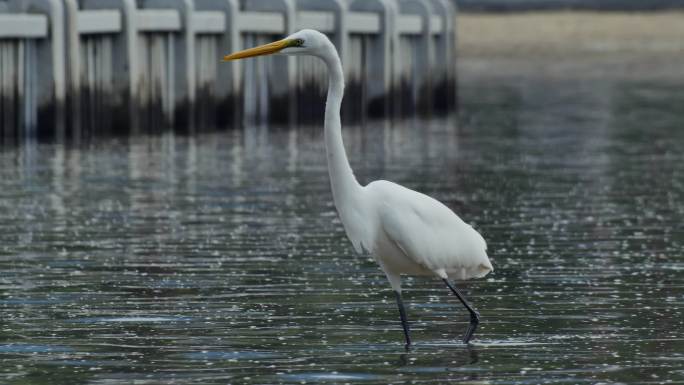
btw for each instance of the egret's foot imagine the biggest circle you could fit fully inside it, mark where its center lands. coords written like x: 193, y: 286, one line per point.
x: 474, y: 315
x: 474, y: 322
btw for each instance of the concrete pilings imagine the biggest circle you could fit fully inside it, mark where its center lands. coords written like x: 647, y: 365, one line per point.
x: 70, y: 68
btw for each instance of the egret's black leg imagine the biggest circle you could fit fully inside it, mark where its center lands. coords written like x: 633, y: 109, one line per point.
x: 474, y: 315
x: 404, y: 322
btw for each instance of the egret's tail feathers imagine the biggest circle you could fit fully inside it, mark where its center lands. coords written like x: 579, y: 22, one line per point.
x: 486, y: 266
x: 484, y: 269
x: 469, y: 272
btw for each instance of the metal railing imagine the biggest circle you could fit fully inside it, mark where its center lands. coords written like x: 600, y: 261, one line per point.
x: 76, y: 67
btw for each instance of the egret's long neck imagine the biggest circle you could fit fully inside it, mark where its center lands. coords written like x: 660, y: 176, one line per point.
x: 344, y: 185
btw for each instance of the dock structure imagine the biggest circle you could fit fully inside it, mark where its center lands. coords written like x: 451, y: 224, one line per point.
x: 73, y: 68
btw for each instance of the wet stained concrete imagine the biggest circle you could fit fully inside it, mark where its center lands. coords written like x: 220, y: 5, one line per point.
x: 218, y: 258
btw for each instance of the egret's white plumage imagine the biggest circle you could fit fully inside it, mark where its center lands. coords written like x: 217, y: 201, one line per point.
x: 405, y: 231
x: 427, y: 233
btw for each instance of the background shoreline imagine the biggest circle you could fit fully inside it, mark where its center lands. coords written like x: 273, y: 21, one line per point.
x: 599, y: 43
x: 535, y: 5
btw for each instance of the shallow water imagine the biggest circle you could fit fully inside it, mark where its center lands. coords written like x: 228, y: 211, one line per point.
x: 220, y: 259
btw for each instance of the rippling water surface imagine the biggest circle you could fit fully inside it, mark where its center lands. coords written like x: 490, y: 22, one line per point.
x: 220, y: 259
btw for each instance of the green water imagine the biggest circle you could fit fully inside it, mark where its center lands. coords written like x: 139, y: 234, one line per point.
x: 219, y: 258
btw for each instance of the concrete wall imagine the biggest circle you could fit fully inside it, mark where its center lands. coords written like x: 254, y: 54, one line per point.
x: 72, y: 68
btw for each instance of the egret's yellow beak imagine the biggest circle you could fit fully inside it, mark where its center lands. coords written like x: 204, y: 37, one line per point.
x: 261, y: 50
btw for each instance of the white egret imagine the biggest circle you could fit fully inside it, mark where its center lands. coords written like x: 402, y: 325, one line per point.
x: 406, y: 232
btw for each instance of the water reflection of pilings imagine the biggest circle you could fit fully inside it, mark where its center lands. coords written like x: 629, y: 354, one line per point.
x: 72, y: 69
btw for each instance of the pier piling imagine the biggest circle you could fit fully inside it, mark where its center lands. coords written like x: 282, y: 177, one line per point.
x: 73, y: 68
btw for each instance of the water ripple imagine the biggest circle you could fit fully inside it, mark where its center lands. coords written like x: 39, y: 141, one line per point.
x: 218, y: 258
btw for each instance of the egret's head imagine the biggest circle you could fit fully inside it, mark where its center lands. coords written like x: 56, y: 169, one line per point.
x: 304, y: 42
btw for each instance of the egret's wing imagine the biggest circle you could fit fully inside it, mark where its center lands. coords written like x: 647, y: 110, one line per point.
x: 430, y: 233
x: 412, y: 234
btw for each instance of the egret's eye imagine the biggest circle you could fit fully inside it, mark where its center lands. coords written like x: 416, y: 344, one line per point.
x: 298, y: 42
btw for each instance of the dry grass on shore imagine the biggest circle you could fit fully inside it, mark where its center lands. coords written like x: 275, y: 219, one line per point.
x: 598, y: 43
x: 571, y: 31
